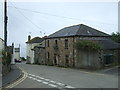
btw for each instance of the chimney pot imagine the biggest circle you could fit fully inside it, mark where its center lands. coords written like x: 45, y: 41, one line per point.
x: 29, y: 37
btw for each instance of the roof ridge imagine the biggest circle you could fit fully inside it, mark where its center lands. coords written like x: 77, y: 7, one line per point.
x: 35, y: 40
x: 79, y: 28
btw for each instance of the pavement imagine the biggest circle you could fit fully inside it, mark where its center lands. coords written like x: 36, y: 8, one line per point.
x: 14, y: 74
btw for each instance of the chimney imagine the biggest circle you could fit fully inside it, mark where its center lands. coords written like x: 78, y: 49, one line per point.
x: 12, y: 44
x: 29, y: 37
x: 12, y: 48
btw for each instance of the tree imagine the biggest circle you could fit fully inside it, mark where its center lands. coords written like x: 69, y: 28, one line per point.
x: 6, y: 58
x: 22, y: 58
x: 116, y: 37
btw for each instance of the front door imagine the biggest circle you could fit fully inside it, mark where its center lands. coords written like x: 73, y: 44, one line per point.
x: 55, y: 59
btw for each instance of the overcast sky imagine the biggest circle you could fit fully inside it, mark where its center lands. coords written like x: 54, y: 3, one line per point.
x: 44, y: 18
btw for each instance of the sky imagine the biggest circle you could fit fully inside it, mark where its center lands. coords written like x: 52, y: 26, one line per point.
x: 45, y: 18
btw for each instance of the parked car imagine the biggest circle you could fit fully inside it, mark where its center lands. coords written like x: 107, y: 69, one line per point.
x: 17, y: 60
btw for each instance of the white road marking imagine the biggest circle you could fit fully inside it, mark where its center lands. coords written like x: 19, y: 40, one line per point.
x: 47, y: 79
x: 49, y: 82
x: 45, y: 82
x: 39, y: 80
x: 32, y: 78
x: 60, y: 84
x: 52, y: 81
x: 29, y: 77
x: 36, y: 76
x: 52, y: 85
x: 69, y: 86
x: 31, y: 74
x: 40, y: 77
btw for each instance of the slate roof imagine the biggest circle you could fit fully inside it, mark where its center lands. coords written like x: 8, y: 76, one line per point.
x: 109, y: 44
x: 78, y: 30
x: 35, y: 40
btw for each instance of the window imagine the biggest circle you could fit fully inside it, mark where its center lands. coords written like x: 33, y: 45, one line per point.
x: 66, y: 43
x: 56, y: 43
x: 48, y: 43
x: 66, y: 60
x: 48, y: 55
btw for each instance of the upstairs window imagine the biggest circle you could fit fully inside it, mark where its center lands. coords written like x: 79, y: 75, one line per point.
x: 66, y: 43
x: 56, y: 43
x: 48, y: 43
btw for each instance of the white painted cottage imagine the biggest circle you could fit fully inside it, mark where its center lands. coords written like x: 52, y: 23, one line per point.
x: 15, y: 53
x: 1, y: 48
x: 1, y: 44
x: 30, y: 44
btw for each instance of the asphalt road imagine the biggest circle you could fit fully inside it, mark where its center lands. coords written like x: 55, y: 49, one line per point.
x: 40, y: 76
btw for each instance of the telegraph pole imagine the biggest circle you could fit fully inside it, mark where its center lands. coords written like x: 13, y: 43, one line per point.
x: 5, y: 23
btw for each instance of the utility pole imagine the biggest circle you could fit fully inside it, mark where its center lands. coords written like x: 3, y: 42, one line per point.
x: 5, y: 24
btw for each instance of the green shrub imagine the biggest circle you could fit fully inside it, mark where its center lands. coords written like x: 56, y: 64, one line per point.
x: 88, y: 45
x: 23, y: 59
x: 6, y: 59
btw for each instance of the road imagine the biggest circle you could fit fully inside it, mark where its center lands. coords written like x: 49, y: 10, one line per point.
x: 40, y: 76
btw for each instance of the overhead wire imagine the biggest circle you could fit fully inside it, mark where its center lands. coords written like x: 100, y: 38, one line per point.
x: 60, y: 16
x: 26, y: 17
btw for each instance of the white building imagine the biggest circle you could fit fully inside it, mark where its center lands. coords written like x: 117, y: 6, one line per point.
x: 1, y: 44
x: 1, y: 48
x: 30, y: 44
x: 15, y: 54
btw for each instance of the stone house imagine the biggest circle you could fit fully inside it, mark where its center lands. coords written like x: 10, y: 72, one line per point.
x: 60, y: 47
x: 30, y: 44
x: 39, y: 55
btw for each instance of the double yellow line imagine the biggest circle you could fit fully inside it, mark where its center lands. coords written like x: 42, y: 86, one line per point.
x: 25, y: 75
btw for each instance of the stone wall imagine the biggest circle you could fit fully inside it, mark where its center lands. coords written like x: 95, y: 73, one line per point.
x: 39, y: 55
x: 76, y: 58
x: 59, y: 52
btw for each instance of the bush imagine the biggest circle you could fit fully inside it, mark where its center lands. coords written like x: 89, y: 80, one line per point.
x: 88, y: 45
x: 6, y: 59
x: 23, y: 59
